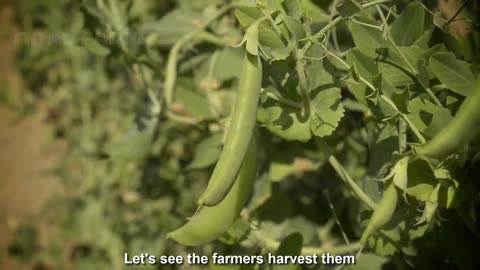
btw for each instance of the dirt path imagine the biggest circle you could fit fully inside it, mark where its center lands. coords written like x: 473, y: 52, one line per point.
x: 25, y: 155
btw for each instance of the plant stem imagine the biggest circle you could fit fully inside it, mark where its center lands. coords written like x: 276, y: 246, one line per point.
x: 369, y: 85
x: 402, y: 135
x: 340, y: 170
x: 427, y: 89
x: 336, y: 21
x: 274, y: 25
x: 333, y: 12
x: 377, y: 27
x: 406, y: 119
x: 335, y: 250
x: 335, y: 216
x: 210, y: 80
x: 414, y: 129
x: 281, y: 99
x: 171, y: 71
x: 432, y: 95
x: 211, y: 38
x: 404, y: 57
x: 458, y: 12
x: 302, y: 78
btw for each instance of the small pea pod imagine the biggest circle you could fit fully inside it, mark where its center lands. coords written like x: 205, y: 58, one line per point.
x: 211, y: 222
x: 241, y: 128
x: 461, y: 130
x: 383, y: 213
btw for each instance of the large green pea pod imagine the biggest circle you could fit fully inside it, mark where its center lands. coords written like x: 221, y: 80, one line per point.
x: 211, y: 222
x: 241, y: 128
x: 460, y: 131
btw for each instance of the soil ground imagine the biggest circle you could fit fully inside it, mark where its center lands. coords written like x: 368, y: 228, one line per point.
x: 26, y: 156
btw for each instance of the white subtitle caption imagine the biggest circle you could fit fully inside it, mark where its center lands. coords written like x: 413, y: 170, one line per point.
x: 217, y: 259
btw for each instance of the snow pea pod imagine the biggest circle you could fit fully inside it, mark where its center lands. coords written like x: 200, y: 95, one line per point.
x: 211, y: 222
x: 240, y: 132
x: 383, y: 213
x: 461, y: 130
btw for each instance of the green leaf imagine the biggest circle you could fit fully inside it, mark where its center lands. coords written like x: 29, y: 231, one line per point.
x: 295, y: 27
x: 262, y: 192
x: 364, y: 65
x: 455, y: 74
x: 282, y: 78
x: 421, y: 179
x: 247, y: 15
x: 171, y: 27
x: 359, y: 90
x: 293, y: 8
x: 348, y: 8
x: 93, y: 9
x: 400, y: 177
x: 135, y: 145
x: 251, y: 37
x: 93, y: 46
x: 228, y: 65
x: 311, y: 10
x: 398, y: 77
x: 300, y: 224
x: 382, y: 143
x: 290, y: 246
x: 409, y: 26
x: 428, y: 117
x: 260, y: 33
x: 441, y: 118
x: 449, y: 196
x: 399, y: 65
x: 190, y: 101
x: 421, y: 112
x: 272, y: 45
x: 366, y: 38
x: 399, y: 97
x: 439, y: 21
x: 369, y: 261
x: 387, y: 108
x: 430, y: 209
x: 271, y: 5
x: 423, y: 74
x: 383, y: 86
x: 318, y: 77
x: 236, y: 233
x: 327, y: 111
x: 207, y: 152
x: 284, y: 121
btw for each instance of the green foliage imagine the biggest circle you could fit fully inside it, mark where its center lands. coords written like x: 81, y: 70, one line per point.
x: 142, y: 94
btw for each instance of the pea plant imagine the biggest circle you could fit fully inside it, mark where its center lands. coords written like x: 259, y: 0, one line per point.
x: 260, y: 126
